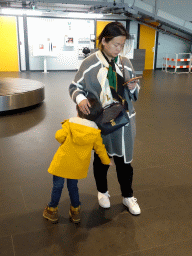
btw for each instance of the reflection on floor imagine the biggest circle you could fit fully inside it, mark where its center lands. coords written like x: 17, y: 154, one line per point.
x: 162, y: 177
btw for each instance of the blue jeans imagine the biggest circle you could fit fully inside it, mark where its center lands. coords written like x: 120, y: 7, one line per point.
x: 58, y: 184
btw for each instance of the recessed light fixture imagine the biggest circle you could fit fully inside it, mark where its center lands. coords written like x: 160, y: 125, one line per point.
x: 85, y: 15
x: 20, y: 12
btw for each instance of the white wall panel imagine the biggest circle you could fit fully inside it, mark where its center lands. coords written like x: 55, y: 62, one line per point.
x: 134, y: 30
x: 21, y: 43
x: 48, y: 31
x: 171, y: 46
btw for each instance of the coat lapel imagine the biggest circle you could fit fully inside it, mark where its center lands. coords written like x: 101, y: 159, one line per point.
x: 106, y: 97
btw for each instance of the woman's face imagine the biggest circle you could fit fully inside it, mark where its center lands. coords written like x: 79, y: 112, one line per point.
x: 113, y: 47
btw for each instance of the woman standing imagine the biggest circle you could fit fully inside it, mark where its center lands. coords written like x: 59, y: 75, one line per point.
x: 103, y: 74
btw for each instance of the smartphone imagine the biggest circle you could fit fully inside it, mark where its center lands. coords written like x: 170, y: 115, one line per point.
x: 132, y: 80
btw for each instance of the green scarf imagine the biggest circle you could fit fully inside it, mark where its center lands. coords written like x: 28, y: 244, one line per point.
x: 112, y: 75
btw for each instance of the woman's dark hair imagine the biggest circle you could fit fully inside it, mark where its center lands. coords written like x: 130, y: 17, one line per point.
x: 95, y: 108
x: 111, y: 30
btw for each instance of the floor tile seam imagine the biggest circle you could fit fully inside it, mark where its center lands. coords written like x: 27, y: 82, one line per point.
x: 157, y: 246
x: 188, y: 164
x: 154, y: 166
x: 111, y: 174
x: 7, y: 186
x: 153, y: 207
x: 160, y: 142
x: 149, y: 189
x: 151, y: 167
x: 23, y: 198
x: 157, y: 187
x: 174, y: 224
x: 148, y: 208
x: 159, y: 206
x: 34, y: 118
x: 39, y: 229
x: 13, y: 126
x: 9, y: 213
x: 119, y: 194
x: 142, y: 229
x: 13, y: 245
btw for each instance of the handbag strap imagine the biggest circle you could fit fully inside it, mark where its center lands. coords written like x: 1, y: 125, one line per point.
x: 114, y: 92
x: 125, y: 91
x: 122, y: 67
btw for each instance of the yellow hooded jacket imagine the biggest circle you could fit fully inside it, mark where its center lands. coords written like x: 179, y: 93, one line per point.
x: 77, y: 137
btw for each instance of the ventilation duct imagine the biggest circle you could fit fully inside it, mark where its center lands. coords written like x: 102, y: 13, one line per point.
x: 188, y: 25
x: 170, y: 17
x: 143, y: 6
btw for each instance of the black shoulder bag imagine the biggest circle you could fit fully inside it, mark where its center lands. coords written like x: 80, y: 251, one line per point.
x: 112, y: 117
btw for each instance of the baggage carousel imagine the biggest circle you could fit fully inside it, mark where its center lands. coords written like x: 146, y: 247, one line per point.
x: 17, y: 93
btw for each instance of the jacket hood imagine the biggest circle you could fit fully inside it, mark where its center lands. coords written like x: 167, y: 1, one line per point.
x: 83, y: 131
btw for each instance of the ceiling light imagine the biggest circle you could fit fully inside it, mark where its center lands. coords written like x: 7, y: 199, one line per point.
x: 85, y: 15
x: 20, y: 12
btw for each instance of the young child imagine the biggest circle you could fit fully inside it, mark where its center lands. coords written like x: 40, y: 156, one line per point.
x: 78, y: 136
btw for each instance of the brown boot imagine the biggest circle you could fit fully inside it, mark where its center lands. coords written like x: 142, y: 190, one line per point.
x: 51, y: 213
x: 74, y: 214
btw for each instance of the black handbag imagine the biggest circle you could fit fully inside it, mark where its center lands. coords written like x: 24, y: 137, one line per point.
x: 112, y: 117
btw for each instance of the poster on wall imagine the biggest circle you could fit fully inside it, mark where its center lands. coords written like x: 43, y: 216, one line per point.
x: 41, y: 46
x: 69, y: 41
x: 44, y: 48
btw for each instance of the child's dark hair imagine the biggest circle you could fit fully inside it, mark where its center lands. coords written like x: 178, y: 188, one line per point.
x: 95, y: 109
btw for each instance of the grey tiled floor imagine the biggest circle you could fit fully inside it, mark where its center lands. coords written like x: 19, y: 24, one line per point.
x: 162, y: 177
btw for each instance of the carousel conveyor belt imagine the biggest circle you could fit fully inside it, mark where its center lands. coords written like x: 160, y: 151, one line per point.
x: 16, y: 93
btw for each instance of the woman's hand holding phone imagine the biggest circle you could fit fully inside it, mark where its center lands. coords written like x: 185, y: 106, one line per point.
x: 133, y: 80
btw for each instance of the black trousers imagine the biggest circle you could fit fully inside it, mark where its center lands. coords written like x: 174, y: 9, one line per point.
x: 124, y: 175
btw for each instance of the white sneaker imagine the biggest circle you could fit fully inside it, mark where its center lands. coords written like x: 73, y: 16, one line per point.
x: 104, y: 199
x: 131, y: 203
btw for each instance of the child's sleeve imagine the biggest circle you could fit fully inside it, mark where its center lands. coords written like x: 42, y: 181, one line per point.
x: 101, y: 151
x: 61, y: 134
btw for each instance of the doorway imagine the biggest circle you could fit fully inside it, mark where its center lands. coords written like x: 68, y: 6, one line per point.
x: 147, y: 41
